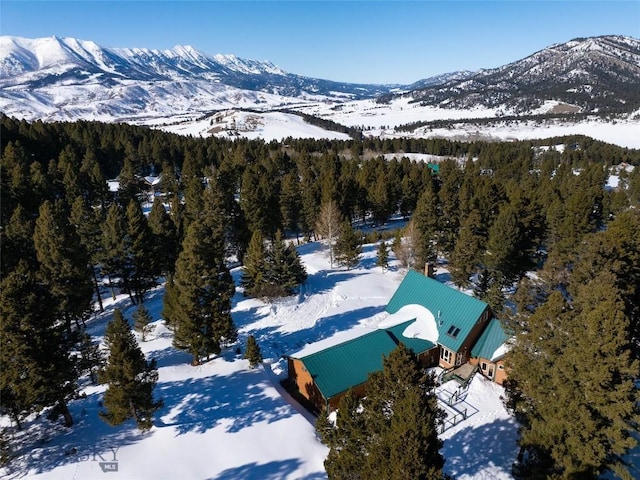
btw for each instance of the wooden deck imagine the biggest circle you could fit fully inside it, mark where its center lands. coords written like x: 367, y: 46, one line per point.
x: 461, y: 374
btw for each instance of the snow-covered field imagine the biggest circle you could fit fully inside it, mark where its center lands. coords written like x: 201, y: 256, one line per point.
x: 381, y: 120
x: 223, y: 420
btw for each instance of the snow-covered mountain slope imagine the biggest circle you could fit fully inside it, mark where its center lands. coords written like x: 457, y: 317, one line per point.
x: 179, y: 89
x: 56, y: 78
x: 592, y: 74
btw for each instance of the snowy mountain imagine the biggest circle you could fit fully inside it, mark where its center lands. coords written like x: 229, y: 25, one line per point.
x: 68, y: 79
x: 597, y: 74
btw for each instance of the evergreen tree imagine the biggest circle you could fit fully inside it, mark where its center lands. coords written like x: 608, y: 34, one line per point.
x: 382, y: 259
x: 348, y: 246
x: 144, y: 268
x: 425, y: 220
x: 467, y: 252
x: 202, y: 287
x: 114, y: 257
x: 164, y: 246
x: 141, y: 321
x: 392, y: 432
x: 253, y: 270
x: 64, y: 264
x: 91, y: 359
x: 129, y: 377
x: 291, y: 202
x: 348, y: 441
x: 253, y: 353
x: 86, y: 222
x: 504, y: 239
x: 16, y: 239
x: 284, y: 269
x: 37, y: 370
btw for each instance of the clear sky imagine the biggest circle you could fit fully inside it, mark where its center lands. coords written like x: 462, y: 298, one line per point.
x: 350, y: 41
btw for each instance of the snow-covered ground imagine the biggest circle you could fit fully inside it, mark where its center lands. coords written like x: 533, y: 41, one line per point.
x: 382, y: 120
x: 223, y: 420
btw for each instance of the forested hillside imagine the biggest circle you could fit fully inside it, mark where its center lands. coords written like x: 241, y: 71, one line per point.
x: 494, y: 212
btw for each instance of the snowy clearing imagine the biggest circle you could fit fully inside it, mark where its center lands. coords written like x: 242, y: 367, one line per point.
x: 223, y: 420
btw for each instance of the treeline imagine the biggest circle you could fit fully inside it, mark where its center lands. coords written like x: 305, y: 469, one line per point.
x: 495, y: 211
x: 327, y: 124
x: 506, y: 119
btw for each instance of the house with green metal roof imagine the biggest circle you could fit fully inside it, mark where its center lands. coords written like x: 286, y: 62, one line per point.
x: 441, y: 325
x: 488, y: 352
x: 324, y: 376
x: 459, y: 318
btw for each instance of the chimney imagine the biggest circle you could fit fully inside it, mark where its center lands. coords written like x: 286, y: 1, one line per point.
x: 429, y: 270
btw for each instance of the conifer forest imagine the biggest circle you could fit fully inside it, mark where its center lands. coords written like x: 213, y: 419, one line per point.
x: 531, y: 229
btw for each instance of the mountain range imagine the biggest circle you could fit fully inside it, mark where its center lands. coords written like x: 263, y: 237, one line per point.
x: 68, y: 79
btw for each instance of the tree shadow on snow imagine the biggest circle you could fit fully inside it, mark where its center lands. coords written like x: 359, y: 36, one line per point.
x: 475, y: 448
x: 49, y: 445
x: 236, y: 401
x: 275, y: 470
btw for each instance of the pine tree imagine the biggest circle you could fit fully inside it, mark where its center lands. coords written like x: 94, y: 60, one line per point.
x: 139, y: 248
x: 504, y: 239
x: 86, y: 222
x: 348, y: 246
x: 392, y: 432
x: 202, y: 288
x: 37, y: 370
x: 577, y: 414
x: 425, y: 220
x: 290, y: 202
x: 91, y: 359
x: 165, y: 238
x: 382, y: 259
x: 348, y: 441
x: 467, y: 252
x: 253, y: 269
x: 284, y: 271
x: 64, y: 264
x: 142, y: 319
x: 129, y: 377
x: 114, y: 257
x: 16, y: 239
x: 253, y: 353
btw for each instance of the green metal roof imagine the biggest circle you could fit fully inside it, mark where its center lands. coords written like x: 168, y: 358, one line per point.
x: 346, y: 365
x: 492, y: 337
x: 418, y: 345
x: 340, y: 367
x: 455, y: 312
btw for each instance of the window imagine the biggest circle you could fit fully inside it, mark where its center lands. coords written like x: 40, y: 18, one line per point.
x: 483, y: 366
x: 500, y: 367
x: 445, y: 355
x: 453, y: 331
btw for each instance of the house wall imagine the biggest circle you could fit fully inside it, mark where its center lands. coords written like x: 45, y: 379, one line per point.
x: 359, y: 391
x: 495, y: 371
x: 300, y: 377
x: 430, y: 358
x: 442, y: 362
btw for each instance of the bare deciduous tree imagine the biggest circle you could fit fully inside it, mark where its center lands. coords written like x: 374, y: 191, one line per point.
x: 329, y: 225
x: 405, y: 248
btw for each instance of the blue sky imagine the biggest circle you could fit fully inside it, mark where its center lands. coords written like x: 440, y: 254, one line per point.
x: 361, y: 41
